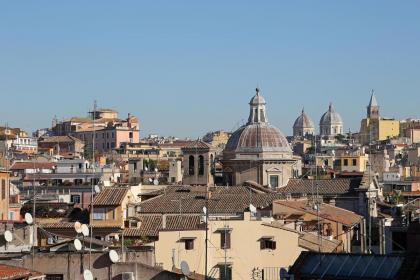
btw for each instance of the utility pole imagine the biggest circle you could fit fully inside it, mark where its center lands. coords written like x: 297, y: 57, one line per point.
x: 207, y: 233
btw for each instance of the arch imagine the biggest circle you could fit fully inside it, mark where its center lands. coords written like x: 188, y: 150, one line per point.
x: 200, y: 165
x: 191, y: 165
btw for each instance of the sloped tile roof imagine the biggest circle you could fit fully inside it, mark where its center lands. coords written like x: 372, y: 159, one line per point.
x: 198, y: 144
x: 110, y: 196
x: 59, y: 139
x: 327, y: 211
x: 8, y: 272
x: 325, y: 187
x: 21, y: 165
x: 222, y: 200
x: 151, y: 224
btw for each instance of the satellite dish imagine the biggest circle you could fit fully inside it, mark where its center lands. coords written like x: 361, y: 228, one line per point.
x: 28, y: 218
x: 78, y: 227
x: 185, y: 268
x: 113, y: 256
x: 87, y: 275
x: 145, y: 169
x: 77, y: 244
x: 150, y: 180
x: 252, y: 208
x: 205, y: 210
x: 156, y: 182
x: 156, y: 170
x: 117, y: 237
x: 85, y: 230
x: 97, y: 189
x: 8, y: 236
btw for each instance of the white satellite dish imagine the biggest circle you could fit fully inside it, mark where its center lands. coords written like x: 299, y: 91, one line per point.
x: 253, y: 209
x: 156, y: 170
x: 8, y: 236
x: 185, y: 268
x: 156, y: 182
x: 113, y: 256
x: 87, y: 275
x: 117, y: 237
x: 97, y: 189
x: 28, y: 218
x: 77, y: 244
x: 85, y: 230
x: 145, y: 169
x: 205, y: 210
x: 78, y: 227
x: 150, y: 180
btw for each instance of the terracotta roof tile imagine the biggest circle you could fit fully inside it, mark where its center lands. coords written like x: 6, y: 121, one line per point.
x: 110, y: 196
x: 325, y: 187
x: 327, y: 211
x: 8, y: 272
x: 223, y: 200
x: 59, y: 139
x: 21, y: 165
x: 198, y: 144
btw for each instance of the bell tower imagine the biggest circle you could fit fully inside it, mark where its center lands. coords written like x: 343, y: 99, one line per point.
x: 373, y: 108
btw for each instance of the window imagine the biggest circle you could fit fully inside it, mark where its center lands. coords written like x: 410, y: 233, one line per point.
x: 3, y: 189
x: 200, y: 165
x: 256, y: 115
x: 99, y: 214
x: 114, y: 214
x: 75, y: 199
x: 354, y: 162
x: 225, y: 272
x: 130, y: 135
x: 191, y: 165
x: 189, y: 244
x: 267, y: 243
x: 225, y: 239
x: 274, y: 181
x: 346, y: 162
x: 12, y: 216
x: 262, y: 115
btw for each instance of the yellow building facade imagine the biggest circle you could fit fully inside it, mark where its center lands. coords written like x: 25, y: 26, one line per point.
x: 375, y: 128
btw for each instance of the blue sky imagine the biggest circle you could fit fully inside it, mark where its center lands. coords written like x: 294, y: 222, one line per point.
x: 187, y: 67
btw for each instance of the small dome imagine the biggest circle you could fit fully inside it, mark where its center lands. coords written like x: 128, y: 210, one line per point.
x: 257, y: 99
x: 331, y: 117
x: 303, y: 121
x: 258, y: 137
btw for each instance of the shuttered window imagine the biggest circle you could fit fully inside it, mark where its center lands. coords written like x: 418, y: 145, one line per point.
x: 225, y: 240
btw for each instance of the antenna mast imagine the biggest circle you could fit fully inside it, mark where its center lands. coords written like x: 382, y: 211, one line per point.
x: 92, y: 183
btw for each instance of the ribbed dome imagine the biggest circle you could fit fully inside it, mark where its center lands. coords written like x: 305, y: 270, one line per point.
x: 258, y: 137
x: 331, y: 117
x: 303, y: 121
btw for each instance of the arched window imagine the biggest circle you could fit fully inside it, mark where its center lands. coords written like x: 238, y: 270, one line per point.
x: 212, y: 161
x: 200, y: 165
x: 191, y: 165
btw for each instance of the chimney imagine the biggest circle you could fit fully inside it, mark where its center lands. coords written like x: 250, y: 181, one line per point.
x: 164, y: 221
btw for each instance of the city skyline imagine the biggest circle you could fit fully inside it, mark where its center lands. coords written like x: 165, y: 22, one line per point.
x: 185, y: 79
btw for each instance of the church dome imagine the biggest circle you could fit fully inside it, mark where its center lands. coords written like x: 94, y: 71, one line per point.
x: 303, y: 121
x: 331, y: 117
x: 257, y: 135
